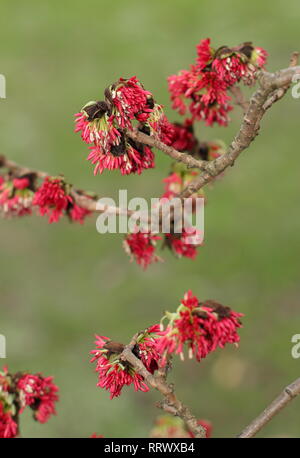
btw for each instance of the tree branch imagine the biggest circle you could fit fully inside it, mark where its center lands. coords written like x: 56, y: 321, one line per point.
x: 187, y: 159
x: 287, y: 395
x: 279, y: 93
x: 170, y: 403
x: 239, y: 98
x: 84, y: 202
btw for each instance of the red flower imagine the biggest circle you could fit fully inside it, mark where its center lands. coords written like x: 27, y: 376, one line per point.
x: 40, y: 394
x: 259, y: 56
x: 207, y: 94
x: 102, y: 124
x: 8, y: 427
x: 130, y: 100
x: 21, y: 183
x: 205, y: 53
x: 229, y: 66
x: 209, y: 99
x: 238, y: 63
x: 180, y: 244
x: 146, y: 348
x: 128, y: 157
x: 165, y: 131
x: 52, y: 198
x: 78, y: 214
x: 202, y: 326
x: 173, y: 185
x: 178, y: 86
x: 98, y: 130
x: 141, y: 247
x: 20, y: 390
x: 203, y: 88
x: 180, y: 136
x: 16, y: 197
x: 183, y: 138
x: 114, y: 374
x: 178, y: 179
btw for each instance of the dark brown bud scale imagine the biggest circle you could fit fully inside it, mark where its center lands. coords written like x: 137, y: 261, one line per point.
x: 203, y: 151
x: 114, y: 347
x: 221, y: 310
x: 96, y: 110
x: 120, y: 149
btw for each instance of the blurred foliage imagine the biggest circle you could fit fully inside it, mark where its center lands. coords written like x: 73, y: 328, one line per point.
x: 62, y: 283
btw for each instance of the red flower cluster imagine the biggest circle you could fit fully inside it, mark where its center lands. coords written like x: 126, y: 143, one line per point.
x: 8, y: 427
x: 128, y: 156
x: 16, y: 196
x: 205, y: 85
x: 240, y: 63
x: 185, y: 243
x: 183, y: 138
x: 102, y: 124
x: 77, y: 213
x: 20, y: 390
x: 113, y: 373
x: 20, y: 194
x: 173, y: 185
x: 180, y: 244
x: 140, y: 246
x: 40, y: 394
x: 130, y: 101
x: 203, y: 326
x: 53, y: 199
x: 146, y: 348
x: 180, y: 136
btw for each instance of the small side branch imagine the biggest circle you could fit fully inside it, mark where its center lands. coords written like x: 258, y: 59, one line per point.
x: 187, y: 159
x: 170, y: 403
x: 239, y: 98
x: 286, y: 396
x: 80, y: 198
x: 279, y: 93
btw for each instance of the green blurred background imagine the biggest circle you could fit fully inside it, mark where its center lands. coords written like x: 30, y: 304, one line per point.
x: 62, y: 283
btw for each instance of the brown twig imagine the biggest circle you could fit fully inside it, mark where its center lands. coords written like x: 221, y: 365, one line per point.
x: 279, y: 93
x: 187, y: 159
x: 239, y: 98
x: 285, y: 397
x: 81, y: 199
x: 91, y: 204
x: 170, y: 403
